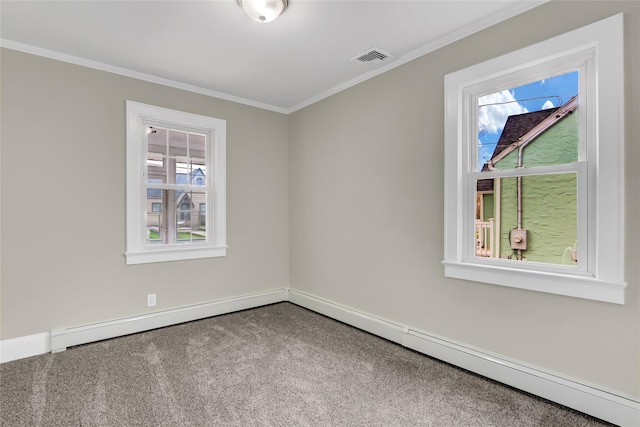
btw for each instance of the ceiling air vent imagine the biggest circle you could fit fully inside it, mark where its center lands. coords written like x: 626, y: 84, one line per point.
x: 372, y: 56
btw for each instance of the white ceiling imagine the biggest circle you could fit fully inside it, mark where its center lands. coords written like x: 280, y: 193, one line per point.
x: 213, y: 47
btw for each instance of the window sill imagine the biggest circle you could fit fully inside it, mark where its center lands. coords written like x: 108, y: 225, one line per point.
x: 164, y: 255
x: 553, y: 283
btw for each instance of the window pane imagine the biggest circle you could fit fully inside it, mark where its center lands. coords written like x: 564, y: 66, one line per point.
x: 197, y: 144
x: 176, y: 216
x: 198, y: 171
x: 530, y: 218
x: 156, y: 151
x: 154, y: 193
x: 190, y: 222
x: 176, y: 157
x: 177, y: 143
x: 531, y: 125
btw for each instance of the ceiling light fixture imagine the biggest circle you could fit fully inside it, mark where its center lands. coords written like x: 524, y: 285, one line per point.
x: 263, y: 11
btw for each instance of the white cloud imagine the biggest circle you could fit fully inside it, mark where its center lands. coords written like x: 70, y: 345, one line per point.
x: 548, y: 104
x: 497, y: 108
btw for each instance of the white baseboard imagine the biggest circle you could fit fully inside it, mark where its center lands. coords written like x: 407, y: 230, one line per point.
x: 59, y: 339
x: 603, y: 404
x: 67, y: 337
x: 382, y: 328
x: 21, y: 347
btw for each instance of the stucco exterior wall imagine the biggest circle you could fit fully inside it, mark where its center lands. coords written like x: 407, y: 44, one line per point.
x: 549, y: 210
x: 548, y: 213
x: 557, y: 145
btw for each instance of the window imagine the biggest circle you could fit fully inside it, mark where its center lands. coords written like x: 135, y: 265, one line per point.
x: 532, y: 128
x: 175, y: 162
x: 533, y: 155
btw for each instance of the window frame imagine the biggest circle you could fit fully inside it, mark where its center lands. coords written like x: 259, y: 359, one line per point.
x: 599, y: 46
x: 138, y: 251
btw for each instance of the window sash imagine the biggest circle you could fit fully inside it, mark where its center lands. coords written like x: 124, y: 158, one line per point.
x: 585, y: 265
x: 583, y: 61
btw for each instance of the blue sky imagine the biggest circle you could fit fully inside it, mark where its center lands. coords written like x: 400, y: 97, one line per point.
x: 495, y: 108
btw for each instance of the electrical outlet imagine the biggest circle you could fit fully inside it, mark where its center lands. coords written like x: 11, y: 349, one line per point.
x: 151, y: 300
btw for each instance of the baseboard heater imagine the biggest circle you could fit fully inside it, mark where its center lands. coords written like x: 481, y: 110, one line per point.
x: 566, y: 391
x: 61, y: 339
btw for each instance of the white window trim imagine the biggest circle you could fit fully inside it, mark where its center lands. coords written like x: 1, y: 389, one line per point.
x: 603, y: 280
x: 138, y: 251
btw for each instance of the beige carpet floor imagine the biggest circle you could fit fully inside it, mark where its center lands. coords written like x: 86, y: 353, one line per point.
x: 279, y: 365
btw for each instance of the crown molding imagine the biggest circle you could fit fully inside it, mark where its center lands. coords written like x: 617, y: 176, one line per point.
x: 516, y: 9
x: 51, y: 54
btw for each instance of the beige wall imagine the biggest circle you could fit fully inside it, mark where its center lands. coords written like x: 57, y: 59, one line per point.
x: 351, y: 185
x: 63, y: 200
x: 366, y: 197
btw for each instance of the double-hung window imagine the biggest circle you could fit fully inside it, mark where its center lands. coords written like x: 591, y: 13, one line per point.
x: 533, y: 167
x: 175, y: 167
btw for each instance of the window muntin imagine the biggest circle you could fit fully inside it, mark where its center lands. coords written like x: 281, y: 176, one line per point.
x: 596, y: 53
x: 175, y: 163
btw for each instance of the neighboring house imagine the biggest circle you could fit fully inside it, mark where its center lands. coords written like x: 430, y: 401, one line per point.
x: 190, y: 207
x: 548, y: 202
